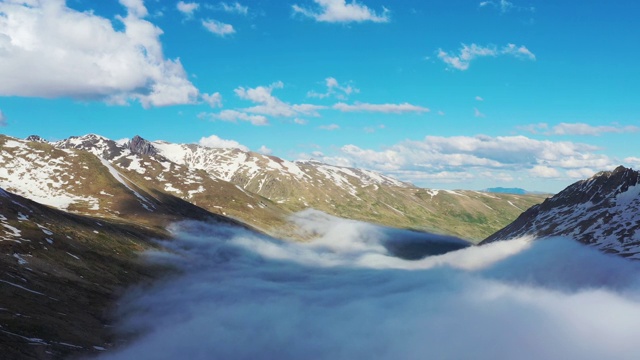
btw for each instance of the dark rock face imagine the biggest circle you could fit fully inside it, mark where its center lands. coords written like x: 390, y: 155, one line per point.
x: 35, y: 138
x: 140, y: 146
x: 602, y: 211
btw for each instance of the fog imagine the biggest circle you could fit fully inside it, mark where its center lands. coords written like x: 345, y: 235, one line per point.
x: 357, y: 292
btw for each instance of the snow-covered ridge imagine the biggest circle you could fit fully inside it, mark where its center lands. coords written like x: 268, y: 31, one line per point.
x: 229, y: 163
x: 42, y: 176
x: 602, y: 211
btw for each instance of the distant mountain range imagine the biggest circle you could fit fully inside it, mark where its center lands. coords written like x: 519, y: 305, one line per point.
x: 502, y: 190
x: 75, y: 213
x: 97, y: 176
x: 602, y: 211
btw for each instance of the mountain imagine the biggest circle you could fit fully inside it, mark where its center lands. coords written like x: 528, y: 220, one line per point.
x: 129, y: 178
x: 602, y: 211
x: 60, y: 274
x: 97, y: 176
x: 75, y: 213
x: 502, y: 190
x: 353, y: 193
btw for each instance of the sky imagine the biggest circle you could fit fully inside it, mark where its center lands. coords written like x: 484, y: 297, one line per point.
x: 242, y: 295
x: 443, y: 94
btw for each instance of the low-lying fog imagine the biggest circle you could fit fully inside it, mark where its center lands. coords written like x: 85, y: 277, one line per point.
x: 358, y: 292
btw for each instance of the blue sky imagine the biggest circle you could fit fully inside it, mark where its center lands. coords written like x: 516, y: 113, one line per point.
x: 444, y: 94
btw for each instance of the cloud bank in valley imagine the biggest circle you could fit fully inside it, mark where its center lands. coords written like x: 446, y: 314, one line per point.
x: 345, y: 296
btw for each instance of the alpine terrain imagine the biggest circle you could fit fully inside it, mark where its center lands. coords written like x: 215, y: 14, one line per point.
x: 602, y: 211
x: 100, y: 177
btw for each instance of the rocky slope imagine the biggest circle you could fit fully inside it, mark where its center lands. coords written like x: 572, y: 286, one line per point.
x: 602, y: 211
x: 100, y: 177
x: 354, y: 193
x: 59, y: 273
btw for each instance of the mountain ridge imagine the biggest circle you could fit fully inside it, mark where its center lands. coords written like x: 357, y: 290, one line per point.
x: 256, y: 189
x: 602, y: 211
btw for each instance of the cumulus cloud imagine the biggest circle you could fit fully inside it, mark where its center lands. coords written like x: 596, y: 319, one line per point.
x: 543, y: 171
x: 381, y: 108
x: 339, y: 11
x: 235, y: 116
x: 334, y: 89
x: 265, y: 150
x: 187, y: 8
x: 51, y: 51
x: 468, y: 53
x: 214, y: 100
x: 3, y: 119
x: 633, y: 162
x: 218, y: 28
x: 479, y: 98
x: 461, y: 158
x: 271, y: 105
x: 214, y: 141
x: 246, y: 296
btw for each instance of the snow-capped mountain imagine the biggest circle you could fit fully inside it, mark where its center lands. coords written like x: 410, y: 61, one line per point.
x: 352, y: 193
x: 602, y: 211
x: 94, y: 175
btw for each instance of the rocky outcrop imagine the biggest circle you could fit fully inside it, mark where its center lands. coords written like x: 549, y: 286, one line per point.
x: 602, y: 211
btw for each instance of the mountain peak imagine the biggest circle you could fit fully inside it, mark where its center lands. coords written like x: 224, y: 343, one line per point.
x: 140, y: 146
x: 602, y: 211
x: 35, y: 138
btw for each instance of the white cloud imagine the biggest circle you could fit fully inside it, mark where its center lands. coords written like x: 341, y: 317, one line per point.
x: 265, y: 150
x: 633, y: 162
x: 219, y: 28
x: 3, y: 119
x: 505, y: 6
x: 586, y: 129
x: 334, y: 89
x: 583, y: 173
x: 465, y: 157
x: 134, y: 7
x: 339, y: 11
x: 542, y: 171
x: 236, y: 8
x: 578, y: 129
x: 330, y: 127
x: 300, y: 121
x: 214, y: 141
x: 271, y: 105
x: 234, y: 116
x: 381, y: 108
x: 520, y: 52
x: 479, y: 98
x: 517, y: 299
x: 187, y: 8
x: 52, y: 51
x: 468, y: 53
x: 214, y: 100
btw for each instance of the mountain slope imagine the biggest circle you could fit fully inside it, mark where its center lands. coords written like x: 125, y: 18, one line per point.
x: 96, y: 176
x: 602, y: 211
x: 59, y: 273
x: 100, y: 177
x: 354, y: 193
